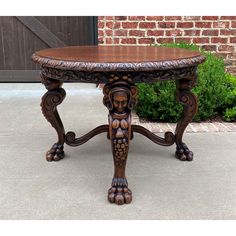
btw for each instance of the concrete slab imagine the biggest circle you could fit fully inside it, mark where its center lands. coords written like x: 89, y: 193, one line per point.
x: 76, y: 187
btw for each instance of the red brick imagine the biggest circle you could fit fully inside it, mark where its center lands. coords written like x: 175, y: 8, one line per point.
x: 100, y: 40
x: 221, y: 24
x: 174, y: 32
x: 231, y: 55
x: 116, y: 40
x: 120, y: 17
x: 156, y: 18
x: 209, y: 47
x: 210, y: 32
x: 166, y: 24
x: 100, y: 33
x: 227, y: 32
x: 128, y: 41
x: 136, y: 17
x: 233, y: 24
x: 129, y: 25
x: 138, y: 33
x: 108, y: 32
x: 101, y: 25
x: 203, y: 24
x: 222, y: 54
x: 117, y: 25
x: 210, y: 17
x: 109, y: 24
x: 147, y: 25
x: 165, y: 40
x: 192, y: 18
x: 201, y: 40
x: 146, y: 41
x: 219, y: 40
x: 109, y: 17
x: 120, y: 32
x: 173, y: 17
x: 155, y: 32
x: 101, y: 17
x: 233, y: 40
x: 180, y: 40
x: 184, y: 24
x: 232, y: 70
x: 192, y: 32
x: 108, y: 41
x: 228, y: 17
x: 227, y: 48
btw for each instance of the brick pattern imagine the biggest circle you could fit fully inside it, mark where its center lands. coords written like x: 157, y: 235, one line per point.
x: 193, y: 127
x: 213, y: 33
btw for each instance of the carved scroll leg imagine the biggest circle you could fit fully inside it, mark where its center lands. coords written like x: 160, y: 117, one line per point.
x: 190, y: 104
x: 119, y: 130
x: 50, y: 101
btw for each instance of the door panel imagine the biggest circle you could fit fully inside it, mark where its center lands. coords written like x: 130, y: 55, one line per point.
x: 21, y: 36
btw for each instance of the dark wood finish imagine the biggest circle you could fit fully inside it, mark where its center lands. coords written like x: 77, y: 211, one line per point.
x: 190, y: 103
x: 71, y: 139
x: 168, y: 140
x: 50, y: 101
x: 117, y: 58
x: 120, y: 98
x: 21, y: 36
x: 120, y: 68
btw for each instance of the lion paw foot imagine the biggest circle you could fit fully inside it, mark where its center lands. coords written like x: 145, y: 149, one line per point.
x: 119, y: 193
x: 56, y: 153
x: 183, y: 153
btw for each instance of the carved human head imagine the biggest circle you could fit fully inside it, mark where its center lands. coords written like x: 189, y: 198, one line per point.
x: 120, y: 100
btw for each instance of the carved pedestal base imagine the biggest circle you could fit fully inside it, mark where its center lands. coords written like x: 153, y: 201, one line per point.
x: 120, y: 97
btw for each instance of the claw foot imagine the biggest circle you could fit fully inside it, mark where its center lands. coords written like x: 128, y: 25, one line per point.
x: 119, y: 193
x: 56, y: 153
x: 183, y: 153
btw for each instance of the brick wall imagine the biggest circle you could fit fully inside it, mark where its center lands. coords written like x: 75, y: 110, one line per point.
x: 213, y: 33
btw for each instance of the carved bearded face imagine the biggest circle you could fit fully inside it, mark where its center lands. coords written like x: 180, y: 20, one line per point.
x: 120, y: 101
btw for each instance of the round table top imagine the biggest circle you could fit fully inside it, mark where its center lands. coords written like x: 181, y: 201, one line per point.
x: 117, y: 58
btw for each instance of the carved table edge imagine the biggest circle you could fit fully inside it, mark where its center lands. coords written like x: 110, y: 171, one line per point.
x: 118, y: 66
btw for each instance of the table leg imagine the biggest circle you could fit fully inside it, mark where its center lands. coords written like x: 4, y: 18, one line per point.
x: 120, y: 98
x: 190, y: 103
x: 50, y: 100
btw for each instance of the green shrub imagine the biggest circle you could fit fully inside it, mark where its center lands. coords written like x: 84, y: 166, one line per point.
x: 157, y: 100
x: 230, y: 106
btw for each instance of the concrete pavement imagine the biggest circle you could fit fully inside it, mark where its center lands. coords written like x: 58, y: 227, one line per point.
x: 76, y: 187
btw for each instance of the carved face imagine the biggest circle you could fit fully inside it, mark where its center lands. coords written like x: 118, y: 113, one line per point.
x: 120, y: 101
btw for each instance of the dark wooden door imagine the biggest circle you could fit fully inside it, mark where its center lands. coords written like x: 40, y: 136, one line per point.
x: 21, y: 36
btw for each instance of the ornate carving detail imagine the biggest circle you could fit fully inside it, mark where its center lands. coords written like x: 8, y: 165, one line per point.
x: 73, y: 75
x: 50, y: 101
x: 120, y: 129
x: 183, y: 153
x: 189, y: 102
x: 163, y: 75
x: 120, y: 98
x: 56, y: 152
x: 128, y: 66
x: 110, y: 77
x: 119, y: 193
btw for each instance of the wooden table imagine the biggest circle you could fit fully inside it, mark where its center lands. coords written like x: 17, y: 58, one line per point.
x: 120, y: 68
